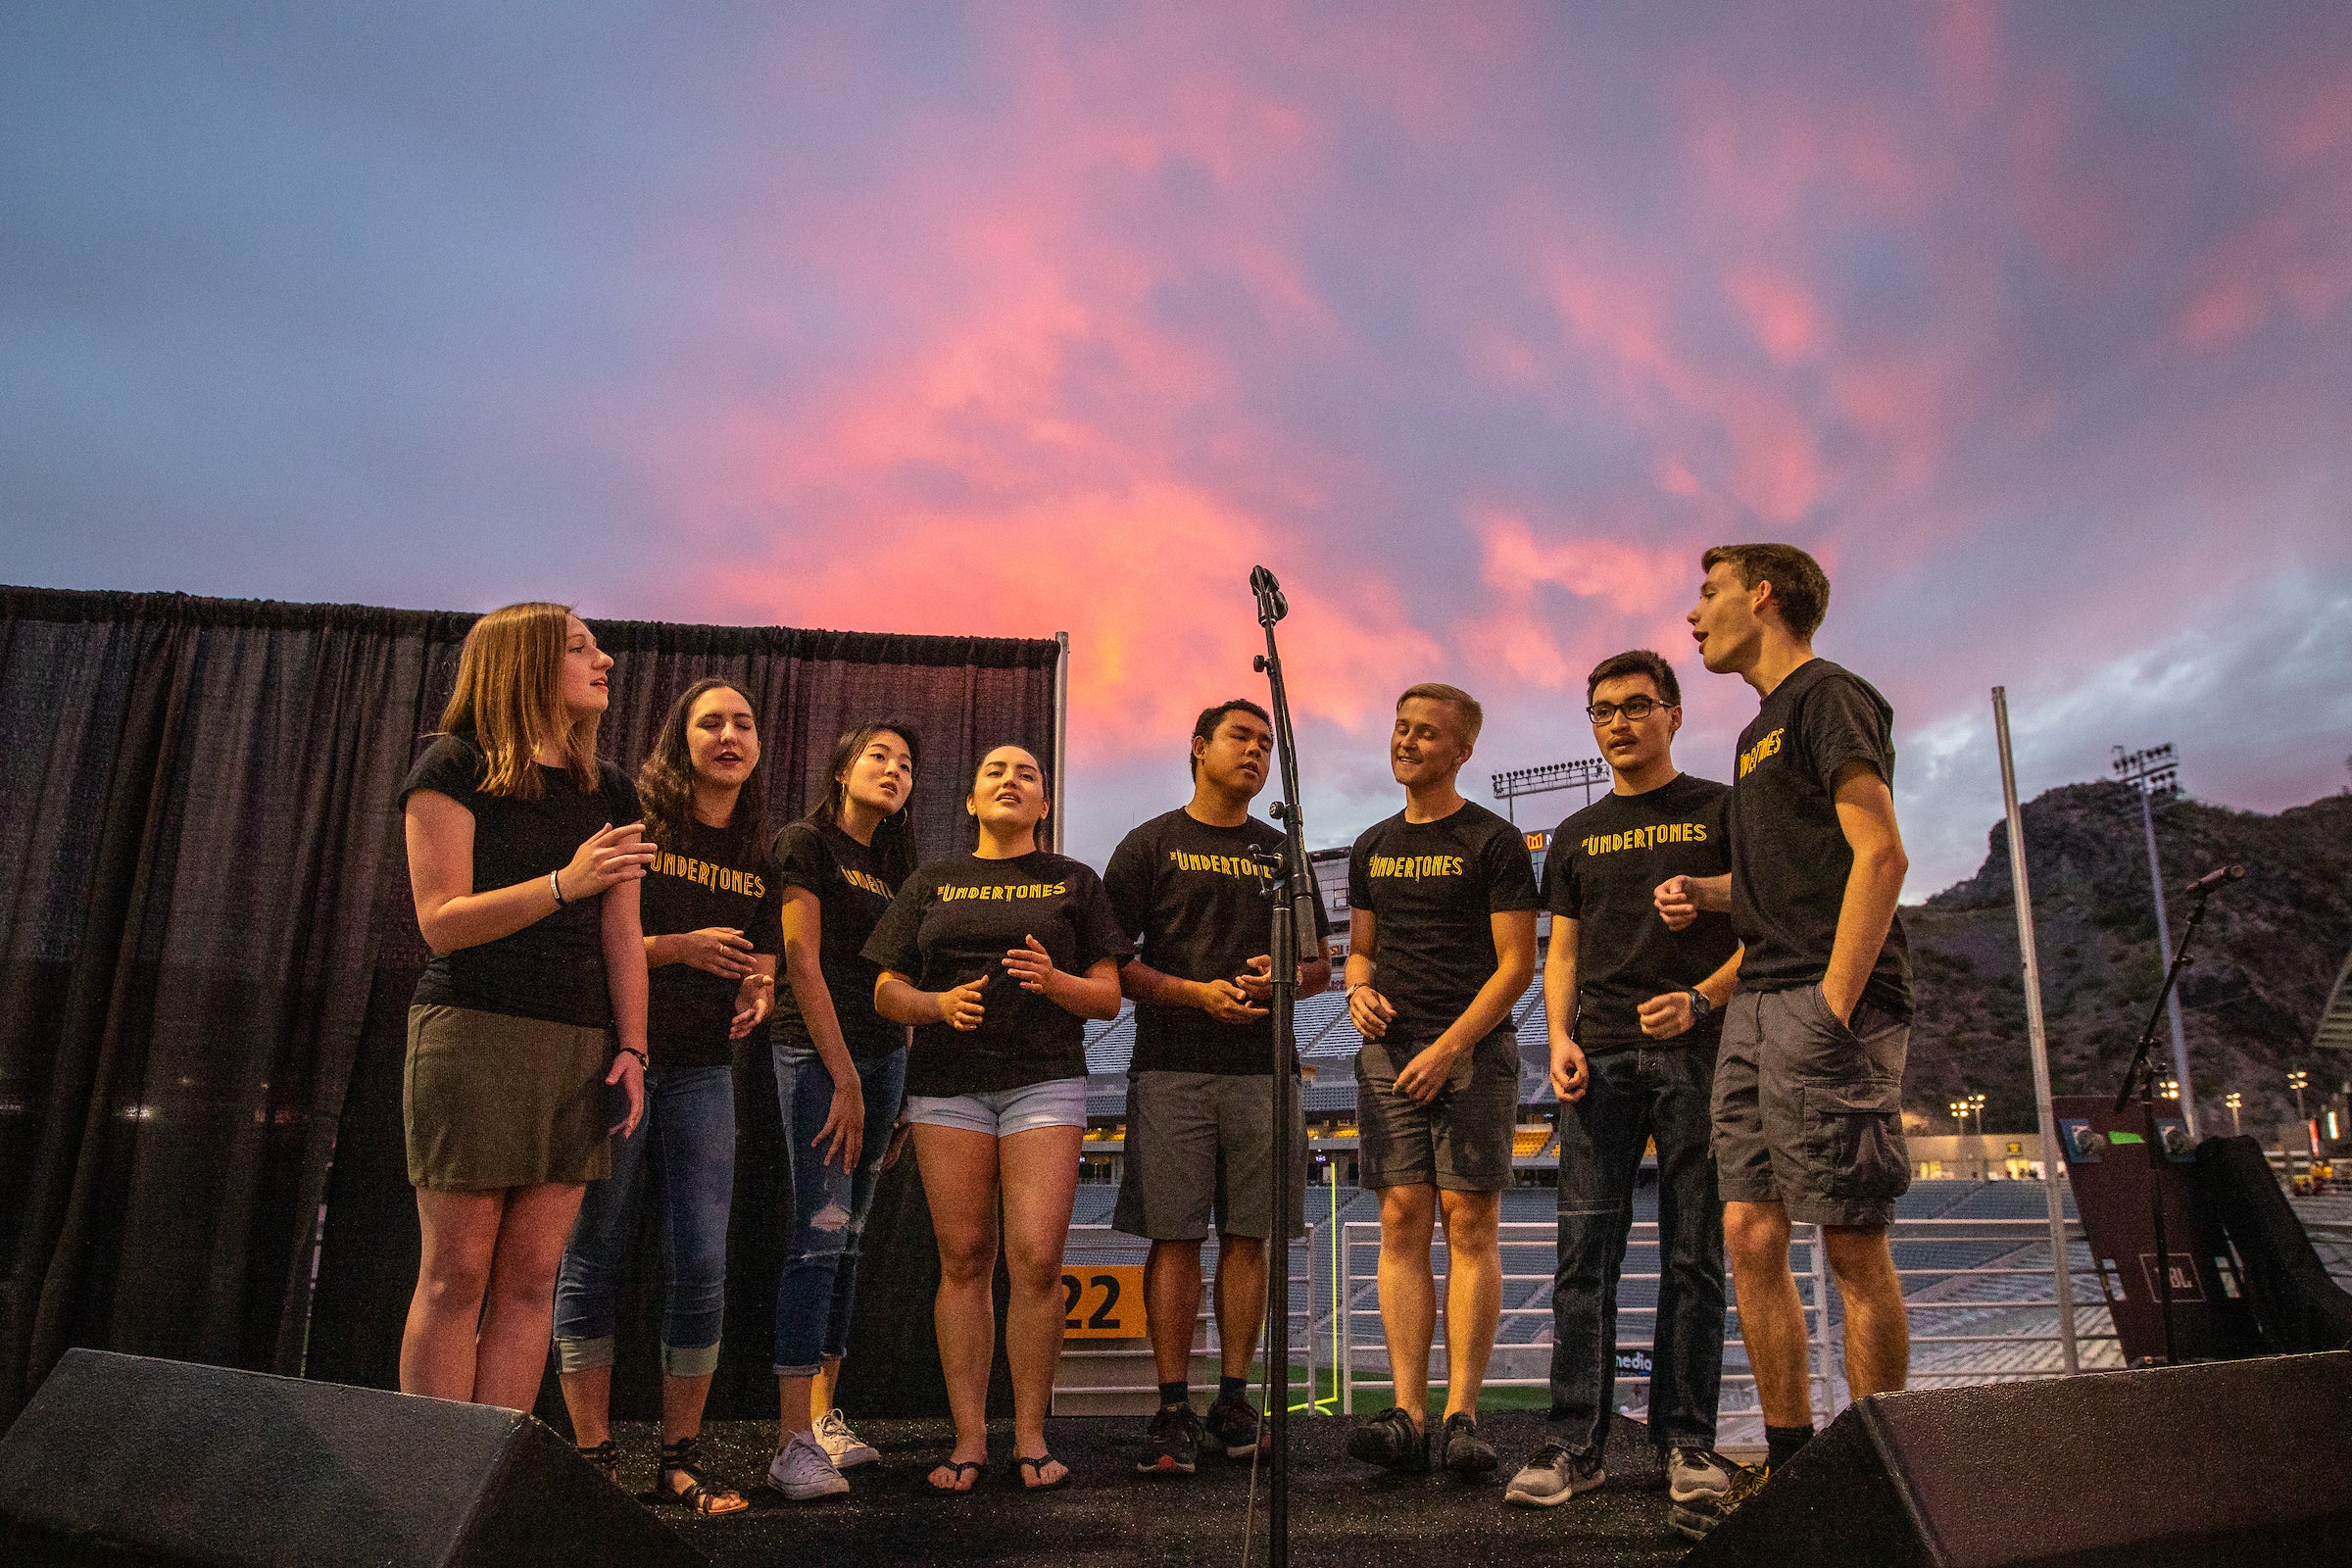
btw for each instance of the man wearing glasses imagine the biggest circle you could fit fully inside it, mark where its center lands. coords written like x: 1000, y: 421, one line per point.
x: 1632, y: 1011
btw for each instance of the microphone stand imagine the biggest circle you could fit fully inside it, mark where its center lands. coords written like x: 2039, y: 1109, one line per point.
x: 2142, y: 1075
x: 1291, y: 887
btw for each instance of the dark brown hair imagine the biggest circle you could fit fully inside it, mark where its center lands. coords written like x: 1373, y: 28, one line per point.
x: 1636, y: 662
x: 665, y: 780
x: 894, y: 835
x: 1800, y: 589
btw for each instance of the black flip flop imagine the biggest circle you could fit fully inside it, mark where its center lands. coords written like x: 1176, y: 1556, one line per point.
x: 976, y: 1467
x: 1037, y: 1467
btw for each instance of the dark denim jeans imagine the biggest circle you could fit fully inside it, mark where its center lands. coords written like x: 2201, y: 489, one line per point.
x: 1634, y: 1096
x: 819, y: 1282
x: 689, y: 1126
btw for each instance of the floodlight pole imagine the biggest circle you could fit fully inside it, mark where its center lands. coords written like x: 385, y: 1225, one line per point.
x: 2150, y: 772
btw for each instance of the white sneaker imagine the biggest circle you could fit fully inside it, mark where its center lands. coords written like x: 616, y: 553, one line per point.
x: 804, y: 1471
x: 841, y: 1445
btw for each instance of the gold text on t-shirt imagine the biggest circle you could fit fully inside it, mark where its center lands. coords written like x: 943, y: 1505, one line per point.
x: 1646, y: 838
x: 718, y: 878
x: 1415, y: 865
x: 1768, y: 745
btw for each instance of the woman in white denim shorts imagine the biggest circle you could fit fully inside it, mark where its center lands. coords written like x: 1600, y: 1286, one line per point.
x: 995, y: 958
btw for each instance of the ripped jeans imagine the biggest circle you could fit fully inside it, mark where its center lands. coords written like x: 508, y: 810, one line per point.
x: 829, y: 1205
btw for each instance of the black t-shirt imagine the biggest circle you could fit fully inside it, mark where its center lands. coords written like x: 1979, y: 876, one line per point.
x: 851, y: 895
x: 953, y: 922
x: 1789, y: 859
x: 1197, y: 900
x: 1603, y: 871
x: 707, y: 879
x: 552, y: 969
x: 1431, y: 888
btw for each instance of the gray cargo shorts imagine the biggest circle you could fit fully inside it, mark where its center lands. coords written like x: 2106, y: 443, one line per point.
x: 1808, y: 1110
x: 1201, y: 1144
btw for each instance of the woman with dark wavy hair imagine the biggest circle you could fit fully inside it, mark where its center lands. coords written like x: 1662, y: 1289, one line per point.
x: 533, y: 1008
x: 841, y: 1070
x: 711, y: 931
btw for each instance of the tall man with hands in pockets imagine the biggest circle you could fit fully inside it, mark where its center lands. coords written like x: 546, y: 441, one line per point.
x: 1809, y: 1085
x: 1442, y: 943
x: 1633, y: 1015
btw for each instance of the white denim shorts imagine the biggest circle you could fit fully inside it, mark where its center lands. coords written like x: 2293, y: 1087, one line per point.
x: 1002, y: 1112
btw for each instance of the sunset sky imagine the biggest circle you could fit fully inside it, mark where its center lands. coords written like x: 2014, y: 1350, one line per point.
x: 1476, y: 322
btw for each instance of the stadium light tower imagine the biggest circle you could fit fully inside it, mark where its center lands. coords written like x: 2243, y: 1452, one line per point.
x: 2233, y: 1099
x: 2298, y: 1080
x: 2153, y: 773
x: 1585, y: 774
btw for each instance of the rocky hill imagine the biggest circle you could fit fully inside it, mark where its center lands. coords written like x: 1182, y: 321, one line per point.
x: 2266, y: 958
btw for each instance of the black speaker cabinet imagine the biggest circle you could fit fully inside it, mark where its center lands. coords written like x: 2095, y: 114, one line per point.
x: 2224, y: 1463
x: 122, y: 1460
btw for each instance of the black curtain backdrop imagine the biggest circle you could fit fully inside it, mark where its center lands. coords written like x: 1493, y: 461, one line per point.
x: 207, y: 948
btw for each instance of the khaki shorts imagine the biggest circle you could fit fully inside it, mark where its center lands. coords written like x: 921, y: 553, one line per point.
x: 492, y: 1100
x: 1808, y: 1110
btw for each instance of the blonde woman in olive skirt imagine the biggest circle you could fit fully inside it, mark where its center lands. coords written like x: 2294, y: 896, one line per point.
x: 526, y: 1037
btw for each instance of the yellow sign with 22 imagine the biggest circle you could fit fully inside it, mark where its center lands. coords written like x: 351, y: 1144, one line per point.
x: 1103, y: 1302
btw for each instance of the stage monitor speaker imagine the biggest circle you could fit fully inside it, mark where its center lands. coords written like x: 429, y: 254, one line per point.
x: 2221, y: 1463
x: 122, y: 1460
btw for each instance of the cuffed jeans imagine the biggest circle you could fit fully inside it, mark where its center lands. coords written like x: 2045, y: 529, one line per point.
x: 1663, y: 1092
x: 689, y: 1129
x: 820, y: 1284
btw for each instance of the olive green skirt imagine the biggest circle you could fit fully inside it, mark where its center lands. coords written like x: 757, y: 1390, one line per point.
x: 493, y: 1101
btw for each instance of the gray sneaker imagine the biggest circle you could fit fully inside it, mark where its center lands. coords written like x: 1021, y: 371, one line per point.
x: 1694, y: 1505
x: 1554, y: 1476
x: 804, y: 1471
x: 841, y: 1445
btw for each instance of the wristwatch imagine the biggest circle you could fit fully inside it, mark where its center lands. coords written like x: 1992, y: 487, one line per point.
x: 1700, y: 1006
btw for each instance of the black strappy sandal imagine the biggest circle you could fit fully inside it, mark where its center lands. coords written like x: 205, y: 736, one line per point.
x: 605, y: 1456
x: 975, y: 1468
x: 1037, y: 1467
x: 698, y: 1495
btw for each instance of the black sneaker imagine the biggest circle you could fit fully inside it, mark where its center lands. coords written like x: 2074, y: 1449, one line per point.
x: 1234, y: 1427
x: 1391, y: 1440
x: 1171, y: 1443
x: 1699, y: 1513
x: 1467, y: 1454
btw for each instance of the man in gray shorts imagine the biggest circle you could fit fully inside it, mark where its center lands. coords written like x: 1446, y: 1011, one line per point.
x: 1191, y: 886
x: 1808, y: 1086
x: 1442, y: 943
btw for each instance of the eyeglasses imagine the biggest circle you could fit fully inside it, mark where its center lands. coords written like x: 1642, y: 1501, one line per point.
x: 1636, y: 709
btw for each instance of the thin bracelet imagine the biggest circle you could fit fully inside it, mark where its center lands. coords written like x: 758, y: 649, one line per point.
x: 557, y: 888
x: 632, y: 1051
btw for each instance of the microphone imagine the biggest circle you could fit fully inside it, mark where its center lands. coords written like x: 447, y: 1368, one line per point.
x: 1271, y: 606
x: 2220, y: 876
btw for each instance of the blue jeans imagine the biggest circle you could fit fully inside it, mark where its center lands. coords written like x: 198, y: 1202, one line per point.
x: 1634, y: 1096
x: 689, y: 1125
x: 819, y: 1282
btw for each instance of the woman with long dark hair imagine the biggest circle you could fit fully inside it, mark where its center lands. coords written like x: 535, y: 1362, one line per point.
x: 995, y: 958
x: 841, y: 1069
x: 711, y: 929
x: 526, y: 892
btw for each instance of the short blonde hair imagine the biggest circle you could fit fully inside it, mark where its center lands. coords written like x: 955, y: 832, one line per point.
x: 1473, y: 717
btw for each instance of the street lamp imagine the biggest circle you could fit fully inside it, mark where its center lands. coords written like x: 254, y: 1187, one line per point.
x: 2233, y: 1099
x: 2298, y: 1080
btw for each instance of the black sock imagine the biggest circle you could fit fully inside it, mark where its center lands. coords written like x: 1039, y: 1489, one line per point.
x: 1781, y: 1442
x: 1230, y: 1387
x: 1172, y: 1394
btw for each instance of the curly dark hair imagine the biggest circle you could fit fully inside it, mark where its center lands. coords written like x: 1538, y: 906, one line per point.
x: 665, y: 780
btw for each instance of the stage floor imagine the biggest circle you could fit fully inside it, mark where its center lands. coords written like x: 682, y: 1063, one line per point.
x: 1342, y: 1516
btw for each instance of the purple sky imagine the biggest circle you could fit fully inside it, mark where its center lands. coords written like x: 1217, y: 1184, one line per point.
x: 1476, y: 324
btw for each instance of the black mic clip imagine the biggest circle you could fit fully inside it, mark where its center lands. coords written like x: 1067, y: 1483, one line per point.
x: 1271, y: 605
x: 2212, y: 881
